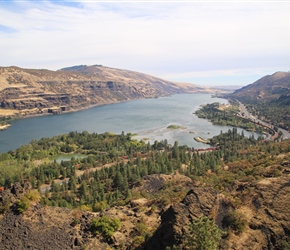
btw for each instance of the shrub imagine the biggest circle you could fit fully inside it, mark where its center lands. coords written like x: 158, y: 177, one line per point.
x: 137, y: 241
x: 75, y: 222
x: 105, y: 226
x: 100, y: 206
x: 77, y: 213
x: 141, y: 228
x: 33, y: 195
x: 285, y: 245
x: 23, y: 204
x: 4, y: 207
x: 235, y: 221
x: 86, y: 208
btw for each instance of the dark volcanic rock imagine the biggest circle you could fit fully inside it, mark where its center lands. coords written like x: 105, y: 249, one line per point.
x: 265, y: 205
x: 175, y: 221
x: 46, y: 228
x: 18, y: 232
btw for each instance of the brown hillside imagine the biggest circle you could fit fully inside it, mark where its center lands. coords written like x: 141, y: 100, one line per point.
x: 268, y: 88
x: 40, y: 91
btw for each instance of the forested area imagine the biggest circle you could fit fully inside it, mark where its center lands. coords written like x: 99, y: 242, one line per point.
x: 276, y: 113
x: 220, y: 114
x: 116, y: 163
x: 274, y: 108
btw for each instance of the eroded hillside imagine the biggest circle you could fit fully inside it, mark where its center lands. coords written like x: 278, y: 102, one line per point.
x: 32, y: 91
x: 269, y: 88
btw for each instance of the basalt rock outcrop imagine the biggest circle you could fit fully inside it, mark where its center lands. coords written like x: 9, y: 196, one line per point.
x: 175, y: 221
x: 32, y: 91
x: 46, y: 227
x: 265, y: 205
x: 41, y: 228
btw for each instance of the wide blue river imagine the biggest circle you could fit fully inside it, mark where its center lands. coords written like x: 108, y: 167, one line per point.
x: 149, y: 118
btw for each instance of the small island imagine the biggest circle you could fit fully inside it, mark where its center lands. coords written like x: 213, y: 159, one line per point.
x: 174, y: 126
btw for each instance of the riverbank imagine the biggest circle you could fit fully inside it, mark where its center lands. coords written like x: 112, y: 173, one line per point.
x: 23, y: 114
x: 4, y: 126
x: 199, y: 139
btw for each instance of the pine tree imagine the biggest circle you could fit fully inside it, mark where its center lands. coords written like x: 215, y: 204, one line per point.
x: 203, y: 235
x: 72, y: 185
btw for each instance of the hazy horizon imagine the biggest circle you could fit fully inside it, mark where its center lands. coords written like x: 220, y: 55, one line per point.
x: 208, y: 43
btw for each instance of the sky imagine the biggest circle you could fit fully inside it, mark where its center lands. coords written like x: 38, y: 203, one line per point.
x: 207, y: 43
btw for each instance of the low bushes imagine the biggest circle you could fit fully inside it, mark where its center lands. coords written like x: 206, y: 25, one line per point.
x: 105, y: 226
x: 235, y: 221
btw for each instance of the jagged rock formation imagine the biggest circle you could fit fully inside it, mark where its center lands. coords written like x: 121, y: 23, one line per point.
x: 41, y: 228
x: 264, y: 205
x: 32, y: 91
x: 56, y: 228
x: 175, y: 221
x: 155, y: 182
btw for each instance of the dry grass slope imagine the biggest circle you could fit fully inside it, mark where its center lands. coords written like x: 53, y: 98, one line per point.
x: 40, y: 91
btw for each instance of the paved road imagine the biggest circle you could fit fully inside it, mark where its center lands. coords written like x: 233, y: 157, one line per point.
x: 286, y: 134
x: 246, y: 114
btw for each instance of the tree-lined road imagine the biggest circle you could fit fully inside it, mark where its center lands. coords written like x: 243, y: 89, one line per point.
x: 246, y: 114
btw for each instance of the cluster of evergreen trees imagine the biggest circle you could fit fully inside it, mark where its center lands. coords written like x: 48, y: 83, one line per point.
x: 221, y: 115
x: 115, y: 163
x: 275, y: 112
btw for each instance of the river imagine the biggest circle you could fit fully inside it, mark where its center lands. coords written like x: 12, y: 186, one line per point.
x: 148, y: 118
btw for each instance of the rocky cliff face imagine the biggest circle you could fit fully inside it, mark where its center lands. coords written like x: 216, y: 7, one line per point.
x: 175, y: 221
x: 32, y: 91
x: 44, y: 227
x: 264, y: 206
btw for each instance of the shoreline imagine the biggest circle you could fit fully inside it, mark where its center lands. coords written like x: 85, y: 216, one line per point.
x: 199, y: 139
x: 23, y: 127
x: 4, y: 127
x: 18, y: 116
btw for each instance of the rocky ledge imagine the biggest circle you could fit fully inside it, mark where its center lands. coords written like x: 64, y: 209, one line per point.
x: 40, y: 92
x: 264, y: 205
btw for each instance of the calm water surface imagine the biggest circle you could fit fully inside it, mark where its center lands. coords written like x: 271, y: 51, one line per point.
x: 148, y: 118
x: 67, y: 157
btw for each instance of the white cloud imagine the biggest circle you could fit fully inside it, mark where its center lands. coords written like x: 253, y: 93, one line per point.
x: 157, y: 38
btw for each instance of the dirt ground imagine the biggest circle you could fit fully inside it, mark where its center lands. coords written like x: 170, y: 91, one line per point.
x: 7, y: 112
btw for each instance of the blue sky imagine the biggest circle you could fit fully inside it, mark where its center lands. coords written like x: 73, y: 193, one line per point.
x: 203, y: 42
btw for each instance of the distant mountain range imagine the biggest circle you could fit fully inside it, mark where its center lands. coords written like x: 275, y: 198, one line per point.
x: 270, y: 88
x: 41, y: 91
